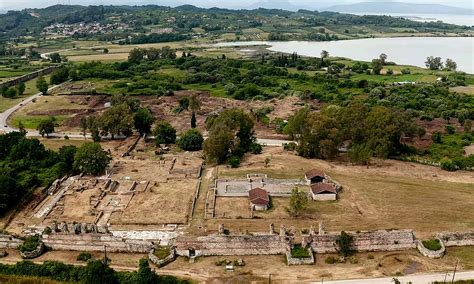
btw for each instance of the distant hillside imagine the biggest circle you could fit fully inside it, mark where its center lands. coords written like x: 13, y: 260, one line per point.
x: 399, y: 7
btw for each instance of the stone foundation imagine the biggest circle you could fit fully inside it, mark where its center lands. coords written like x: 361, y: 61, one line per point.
x: 430, y: 253
x: 9, y: 242
x: 161, y: 262
x: 456, y: 238
x: 382, y: 240
x: 35, y: 253
x: 95, y: 242
x: 300, y: 261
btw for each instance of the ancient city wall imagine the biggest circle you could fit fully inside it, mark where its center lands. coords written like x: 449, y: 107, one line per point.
x: 95, y: 242
x: 29, y: 76
x: 382, y: 240
x: 9, y: 242
x: 231, y: 245
x: 456, y: 238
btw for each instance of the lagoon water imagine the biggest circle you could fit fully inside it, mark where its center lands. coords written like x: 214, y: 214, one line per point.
x: 401, y: 50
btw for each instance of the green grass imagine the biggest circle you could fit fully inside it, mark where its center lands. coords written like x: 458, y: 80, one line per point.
x: 451, y: 146
x: 6, y: 103
x: 397, y: 78
x: 432, y: 244
x: 32, y: 121
x: 162, y: 252
x: 299, y: 252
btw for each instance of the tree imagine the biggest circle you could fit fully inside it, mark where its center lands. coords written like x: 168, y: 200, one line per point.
x: 383, y: 58
x: 59, y: 75
x: 117, y: 120
x: 21, y: 88
x: 46, y: 126
x: 451, y: 64
x: 9, y: 92
x: 298, y: 202
x: 190, y: 140
x: 91, y: 159
x: 164, y: 133
x: 194, y: 106
x: 344, y: 243
x: 136, y: 55
x: 42, y: 85
x: 21, y: 127
x: 377, y: 66
x: 66, y: 154
x: 230, y: 134
x: 84, y: 124
x: 145, y: 275
x: 433, y: 63
x: 9, y: 193
x: 324, y: 54
x: 142, y: 120
x: 359, y: 154
x: 97, y: 272
x: 55, y: 57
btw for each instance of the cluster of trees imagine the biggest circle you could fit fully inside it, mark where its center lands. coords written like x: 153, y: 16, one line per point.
x: 436, y: 63
x: 11, y: 92
x: 370, y: 131
x: 155, y: 38
x: 231, y: 135
x: 138, y: 54
x: 95, y: 272
x: 26, y: 164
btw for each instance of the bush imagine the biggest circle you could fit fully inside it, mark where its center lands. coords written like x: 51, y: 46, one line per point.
x: 344, y: 242
x: 330, y: 260
x: 256, y: 148
x: 162, y: 252
x: 30, y: 243
x: 234, y: 162
x: 299, y: 252
x: 447, y: 164
x: 450, y: 129
x: 84, y: 256
x: 433, y: 245
x: 191, y: 140
x: 164, y: 133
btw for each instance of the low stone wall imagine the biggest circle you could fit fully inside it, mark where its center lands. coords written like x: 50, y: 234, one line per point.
x: 382, y: 240
x: 231, y: 245
x: 299, y: 261
x: 161, y: 262
x: 33, y: 254
x: 9, y: 242
x: 29, y: 76
x: 430, y: 253
x: 451, y: 239
x: 95, y: 242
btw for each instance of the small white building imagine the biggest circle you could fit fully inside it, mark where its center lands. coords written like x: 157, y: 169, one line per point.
x: 323, y: 191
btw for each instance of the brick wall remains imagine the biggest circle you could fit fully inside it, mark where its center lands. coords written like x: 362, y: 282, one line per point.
x: 9, y: 242
x: 456, y: 238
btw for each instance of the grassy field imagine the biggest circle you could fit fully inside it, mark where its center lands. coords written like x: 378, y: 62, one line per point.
x: 33, y: 113
x: 6, y: 103
x: 400, y: 195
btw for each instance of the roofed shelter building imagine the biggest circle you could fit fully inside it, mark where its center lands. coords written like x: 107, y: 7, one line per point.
x: 314, y: 176
x: 259, y: 199
x: 323, y: 191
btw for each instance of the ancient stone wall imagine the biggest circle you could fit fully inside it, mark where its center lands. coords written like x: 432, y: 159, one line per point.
x: 430, y: 253
x: 299, y: 261
x: 382, y: 240
x: 231, y: 245
x: 29, y: 76
x: 456, y: 238
x: 34, y: 253
x: 161, y: 262
x: 9, y: 242
x: 95, y: 242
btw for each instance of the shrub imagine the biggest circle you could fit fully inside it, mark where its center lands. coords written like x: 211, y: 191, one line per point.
x: 432, y: 244
x: 370, y: 256
x: 164, y: 133
x: 30, y: 243
x: 299, y: 252
x: 162, y: 252
x: 84, y: 256
x: 234, y: 162
x: 330, y: 260
x: 450, y: 129
x: 447, y: 164
x: 344, y: 242
x: 191, y: 140
x: 436, y: 137
x: 256, y: 148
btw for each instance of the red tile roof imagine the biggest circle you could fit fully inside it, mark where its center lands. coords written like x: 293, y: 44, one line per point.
x: 259, y: 196
x: 323, y: 187
x: 314, y: 173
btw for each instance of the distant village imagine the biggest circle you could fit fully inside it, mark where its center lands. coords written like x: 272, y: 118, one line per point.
x: 83, y: 28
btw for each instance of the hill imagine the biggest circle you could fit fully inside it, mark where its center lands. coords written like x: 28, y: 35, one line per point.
x: 399, y: 7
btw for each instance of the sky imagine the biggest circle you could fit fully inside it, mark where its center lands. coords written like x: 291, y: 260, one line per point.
x: 233, y: 4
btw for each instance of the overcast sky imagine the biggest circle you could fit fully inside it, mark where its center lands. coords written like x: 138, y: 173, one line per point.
x: 314, y: 4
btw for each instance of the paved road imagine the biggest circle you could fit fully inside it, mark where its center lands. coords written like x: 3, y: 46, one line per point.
x: 33, y: 133
x: 415, y: 279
